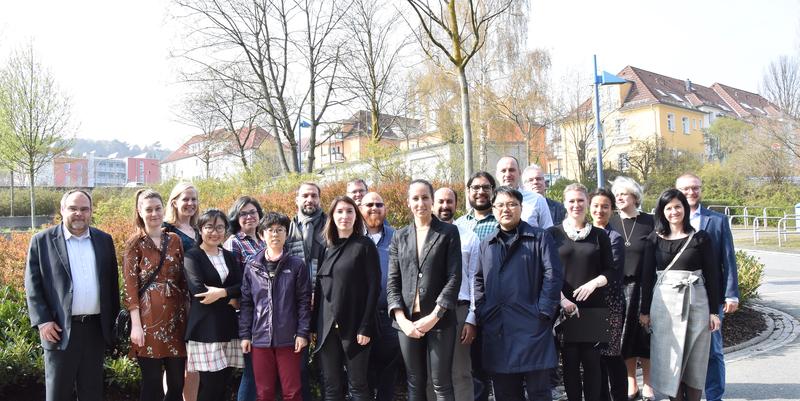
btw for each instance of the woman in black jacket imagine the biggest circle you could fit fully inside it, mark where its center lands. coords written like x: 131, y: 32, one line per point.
x: 345, y: 300
x: 422, y: 292
x: 214, y: 279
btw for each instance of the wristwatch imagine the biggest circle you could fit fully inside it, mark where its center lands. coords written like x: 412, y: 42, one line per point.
x: 440, y: 313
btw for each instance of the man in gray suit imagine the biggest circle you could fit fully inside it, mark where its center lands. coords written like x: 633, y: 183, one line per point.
x: 73, y: 297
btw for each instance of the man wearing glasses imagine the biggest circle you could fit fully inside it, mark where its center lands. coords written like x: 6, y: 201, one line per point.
x: 356, y: 189
x: 717, y: 227
x: 517, y: 290
x: 384, y: 358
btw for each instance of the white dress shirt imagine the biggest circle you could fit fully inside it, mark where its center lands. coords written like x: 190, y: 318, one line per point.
x: 535, y: 210
x: 83, y: 269
x: 470, y: 251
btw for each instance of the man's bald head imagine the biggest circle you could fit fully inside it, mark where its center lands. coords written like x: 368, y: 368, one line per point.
x: 444, y: 204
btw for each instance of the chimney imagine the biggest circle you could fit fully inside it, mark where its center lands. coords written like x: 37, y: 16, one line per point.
x: 688, y: 85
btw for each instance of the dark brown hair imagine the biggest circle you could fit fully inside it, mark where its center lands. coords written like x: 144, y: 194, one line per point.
x: 330, y: 231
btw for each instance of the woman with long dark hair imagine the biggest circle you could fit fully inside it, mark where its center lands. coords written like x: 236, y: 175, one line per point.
x: 422, y: 293
x: 677, y: 288
x: 156, y: 296
x: 345, y: 301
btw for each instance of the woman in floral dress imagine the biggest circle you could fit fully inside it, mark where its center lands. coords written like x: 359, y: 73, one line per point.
x: 158, y: 317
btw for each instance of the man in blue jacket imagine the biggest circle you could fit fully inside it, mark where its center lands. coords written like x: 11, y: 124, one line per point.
x: 517, y: 291
x: 716, y: 225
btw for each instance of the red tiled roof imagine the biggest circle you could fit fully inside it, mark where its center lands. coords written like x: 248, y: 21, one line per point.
x: 746, y: 103
x: 253, y: 142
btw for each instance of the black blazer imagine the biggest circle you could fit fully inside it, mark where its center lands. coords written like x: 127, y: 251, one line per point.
x: 346, y: 292
x: 48, y: 283
x: 437, y: 275
x: 215, y: 322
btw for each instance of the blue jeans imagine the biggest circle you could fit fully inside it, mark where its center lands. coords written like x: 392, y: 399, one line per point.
x: 247, y: 387
x: 715, y: 378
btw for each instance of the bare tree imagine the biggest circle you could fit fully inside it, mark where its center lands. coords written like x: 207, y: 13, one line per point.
x: 373, y: 52
x: 524, y: 98
x: 37, y: 115
x: 645, y: 157
x: 458, y: 32
x: 577, y: 130
x: 258, y: 37
x: 781, y: 84
x: 196, y: 111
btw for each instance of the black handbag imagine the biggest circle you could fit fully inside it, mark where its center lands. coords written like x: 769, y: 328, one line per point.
x: 122, y: 323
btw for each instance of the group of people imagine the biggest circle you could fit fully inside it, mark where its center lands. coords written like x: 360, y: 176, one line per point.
x: 488, y: 302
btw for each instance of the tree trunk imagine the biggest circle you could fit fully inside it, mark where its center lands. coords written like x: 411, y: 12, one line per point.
x: 31, y: 174
x: 11, y: 208
x: 281, y: 153
x: 465, y: 122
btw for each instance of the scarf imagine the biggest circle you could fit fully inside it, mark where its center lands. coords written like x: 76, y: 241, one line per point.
x: 574, y: 233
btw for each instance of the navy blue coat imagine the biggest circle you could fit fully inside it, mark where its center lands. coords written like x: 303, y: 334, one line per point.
x: 717, y: 227
x: 517, y: 290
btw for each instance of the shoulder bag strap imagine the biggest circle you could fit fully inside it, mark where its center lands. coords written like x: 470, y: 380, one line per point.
x: 678, y: 255
x: 152, y: 277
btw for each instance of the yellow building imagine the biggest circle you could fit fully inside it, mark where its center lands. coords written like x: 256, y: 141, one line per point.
x: 648, y: 106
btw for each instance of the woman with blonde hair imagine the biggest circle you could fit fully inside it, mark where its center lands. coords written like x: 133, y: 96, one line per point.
x: 156, y: 296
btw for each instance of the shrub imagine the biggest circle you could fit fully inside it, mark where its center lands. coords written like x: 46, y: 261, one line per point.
x: 750, y: 272
x: 123, y: 374
x: 21, y: 360
x: 47, y: 201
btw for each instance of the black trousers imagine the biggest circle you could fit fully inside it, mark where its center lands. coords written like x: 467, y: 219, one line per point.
x: 509, y: 387
x: 151, y: 387
x: 615, y: 374
x: 385, y: 360
x: 436, y: 348
x: 214, y: 386
x: 480, y: 378
x: 332, y: 359
x: 577, y: 355
x: 79, y: 367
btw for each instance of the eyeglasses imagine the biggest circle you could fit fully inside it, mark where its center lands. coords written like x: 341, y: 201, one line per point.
x: 218, y: 228
x: 375, y: 204
x: 275, y: 231
x: 478, y: 188
x: 695, y: 188
x: 251, y: 213
x: 509, y: 205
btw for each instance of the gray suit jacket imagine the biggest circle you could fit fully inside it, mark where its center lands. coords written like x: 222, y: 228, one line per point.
x: 48, y: 282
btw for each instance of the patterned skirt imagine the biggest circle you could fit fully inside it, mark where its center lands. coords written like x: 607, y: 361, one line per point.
x: 616, y: 316
x: 213, y: 357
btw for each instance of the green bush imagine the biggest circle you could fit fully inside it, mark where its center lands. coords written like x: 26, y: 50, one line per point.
x: 751, y: 272
x: 21, y: 360
x: 123, y: 374
x: 47, y: 201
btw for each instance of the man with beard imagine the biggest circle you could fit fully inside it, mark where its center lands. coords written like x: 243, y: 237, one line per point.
x: 384, y: 358
x: 533, y: 180
x: 73, y: 297
x: 534, y: 207
x: 305, y: 240
x: 356, y: 189
x: 481, y: 221
x: 444, y: 207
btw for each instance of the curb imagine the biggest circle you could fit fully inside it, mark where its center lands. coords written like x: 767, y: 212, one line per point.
x: 782, y: 329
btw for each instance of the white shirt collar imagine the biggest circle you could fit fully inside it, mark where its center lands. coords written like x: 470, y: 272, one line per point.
x: 68, y: 234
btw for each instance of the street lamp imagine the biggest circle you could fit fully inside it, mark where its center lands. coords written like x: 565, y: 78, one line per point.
x: 605, y: 78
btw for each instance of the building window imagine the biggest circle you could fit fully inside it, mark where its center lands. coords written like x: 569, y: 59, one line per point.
x: 671, y: 122
x: 622, y: 162
x: 685, y: 123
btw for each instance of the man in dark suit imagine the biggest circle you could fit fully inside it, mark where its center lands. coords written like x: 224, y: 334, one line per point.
x: 533, y: 180
x: 717, y: 227
x: 73, y: 297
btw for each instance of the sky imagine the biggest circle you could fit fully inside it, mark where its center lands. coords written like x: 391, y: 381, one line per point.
x: 113, y: 57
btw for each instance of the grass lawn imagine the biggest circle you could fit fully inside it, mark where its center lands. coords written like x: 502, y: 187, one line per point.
x: 767, y: 241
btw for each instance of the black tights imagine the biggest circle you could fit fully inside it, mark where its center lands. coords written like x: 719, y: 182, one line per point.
x: 151, y: 386
x: 686, y: 393
x: 213, y: 385
x: 615, y: 373
x: 582, y: 354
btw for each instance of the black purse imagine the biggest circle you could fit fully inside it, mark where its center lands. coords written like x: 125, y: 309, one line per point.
x: 122, y: 323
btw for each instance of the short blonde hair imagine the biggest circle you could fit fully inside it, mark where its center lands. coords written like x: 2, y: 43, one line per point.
x: 623, y: 184
x: 172, y: 211
x: 576, y: 186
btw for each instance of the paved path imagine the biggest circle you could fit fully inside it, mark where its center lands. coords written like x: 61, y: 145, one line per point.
x: 772, y: 374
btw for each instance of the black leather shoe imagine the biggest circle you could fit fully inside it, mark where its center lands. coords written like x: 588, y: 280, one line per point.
x: 637, y: 395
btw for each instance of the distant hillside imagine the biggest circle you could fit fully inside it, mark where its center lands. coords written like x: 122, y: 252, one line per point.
x: 123, y: 149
